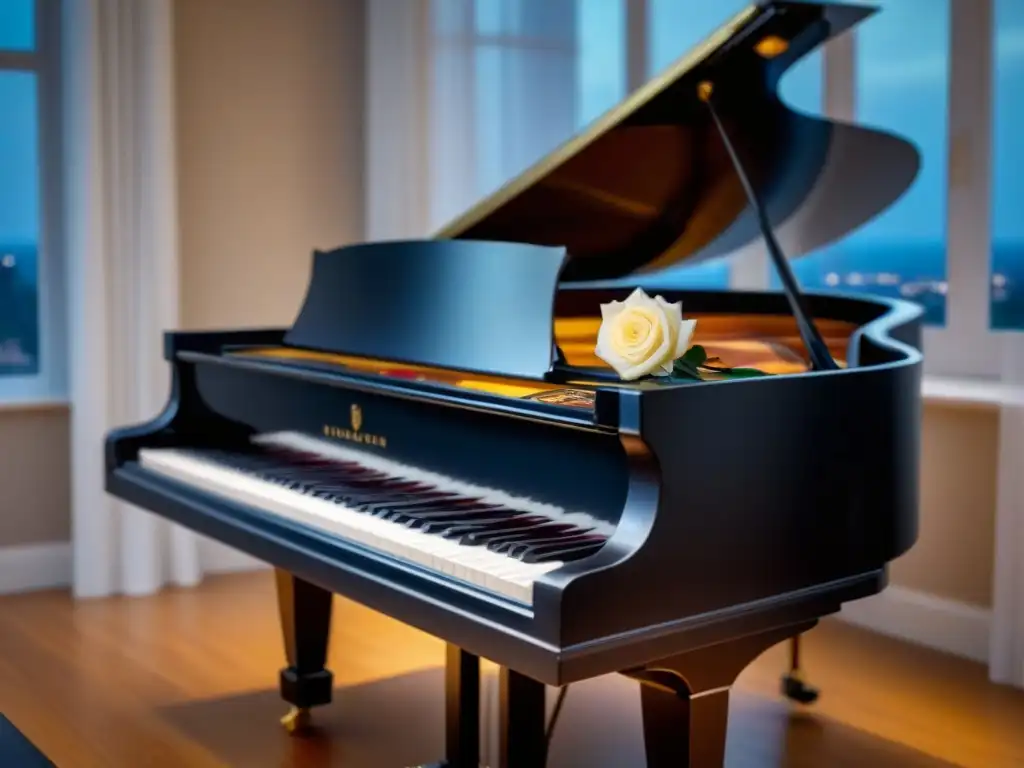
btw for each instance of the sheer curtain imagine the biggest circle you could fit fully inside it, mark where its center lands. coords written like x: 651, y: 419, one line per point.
x: 122, y: 251
x: 503, y: 93
x: 465, y: 94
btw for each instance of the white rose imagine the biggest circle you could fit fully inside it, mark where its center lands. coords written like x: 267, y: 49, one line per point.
x: 641, y: 335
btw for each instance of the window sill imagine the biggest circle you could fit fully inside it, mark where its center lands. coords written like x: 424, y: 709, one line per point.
x: 970, y: 393
x: 34, y: 404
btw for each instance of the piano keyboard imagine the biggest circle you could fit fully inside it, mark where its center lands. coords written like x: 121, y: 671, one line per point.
x: 494, y: 541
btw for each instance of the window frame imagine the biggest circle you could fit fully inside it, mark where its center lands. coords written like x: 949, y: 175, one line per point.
x: 49, y: 384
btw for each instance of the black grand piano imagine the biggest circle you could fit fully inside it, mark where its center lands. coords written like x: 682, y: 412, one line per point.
x: 435, y: 437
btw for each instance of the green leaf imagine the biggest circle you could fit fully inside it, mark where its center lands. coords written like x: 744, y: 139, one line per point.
x: 696, y: 360
x: 739, y: 373
x: 695, y: 355
x: 747, y: 372
x: 685, y: 369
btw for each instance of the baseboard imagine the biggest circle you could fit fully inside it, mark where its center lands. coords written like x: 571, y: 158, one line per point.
x: 29, y: 567
x: 956, y: 628
x: 217, y: 558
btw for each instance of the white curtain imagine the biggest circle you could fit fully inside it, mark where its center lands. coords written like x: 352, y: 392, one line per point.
x: 122, y: 250
x: 464, y: 94
x: 504, y: 92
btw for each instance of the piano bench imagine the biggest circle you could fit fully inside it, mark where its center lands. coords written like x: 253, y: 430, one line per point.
x: 16, y: 751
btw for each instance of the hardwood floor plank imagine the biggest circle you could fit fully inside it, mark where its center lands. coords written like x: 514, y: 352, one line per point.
x: 189, y: 678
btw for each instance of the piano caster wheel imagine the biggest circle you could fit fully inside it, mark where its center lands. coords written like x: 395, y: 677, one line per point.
x: 297, y: 721
x: 795, y: 689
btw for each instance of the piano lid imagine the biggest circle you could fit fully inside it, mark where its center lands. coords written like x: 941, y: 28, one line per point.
x: 650, y: 184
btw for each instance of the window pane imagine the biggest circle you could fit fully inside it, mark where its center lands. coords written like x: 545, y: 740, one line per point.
x: 17, y: 25
x: 674, y: 28
x: 506, y: 90
x: 525, y: 108
x: 902, y: 84
x: 19, y: 225
x: 601, y: 53
x: 1007, y: 299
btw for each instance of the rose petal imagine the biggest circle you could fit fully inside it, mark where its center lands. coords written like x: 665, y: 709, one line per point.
x: 686, y: 329
x: 611, y: 310
x: 638, y: 297
x: 606, y: 352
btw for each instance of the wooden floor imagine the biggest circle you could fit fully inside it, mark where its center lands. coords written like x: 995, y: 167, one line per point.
x: 188, y: 679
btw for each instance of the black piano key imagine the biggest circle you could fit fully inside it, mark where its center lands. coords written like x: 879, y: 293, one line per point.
x: 456, y: 529
x: 469, y: 517
x: 472, y: 533
x: 378, y: 504
x: 381, y: 505
x: 455, y: 514
x: 513, y: 526
x: 566, y: 554
x: 521, y: 549
x: 422, y: 510
x: 549, y: 528
x: 522, y: 535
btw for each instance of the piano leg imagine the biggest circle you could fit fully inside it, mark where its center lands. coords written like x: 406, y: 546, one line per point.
x: 522, y: 741
x: 685, y: 699
x: 793, y: 685
x: 461, y: 710
x: 305, y: 611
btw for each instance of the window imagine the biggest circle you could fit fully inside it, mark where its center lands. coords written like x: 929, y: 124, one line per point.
x: 30, y: 367
x: 512, y: 79
x: 1007, y: 270
x: 19, y: 224
x: 538, y: 72
x: 674, y: 27
x: 901, y: 85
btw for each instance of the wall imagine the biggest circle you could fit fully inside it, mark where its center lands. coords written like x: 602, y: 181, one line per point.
x: 953, y: 556
x: 271, y: 166
x: 270, y: 121
x: 35, y: 476
x: 270, y: 116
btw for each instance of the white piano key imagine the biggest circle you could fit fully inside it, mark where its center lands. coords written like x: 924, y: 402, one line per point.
x: 475, y: 564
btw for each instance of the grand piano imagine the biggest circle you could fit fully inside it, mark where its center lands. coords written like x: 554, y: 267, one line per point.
x: 436, y: 438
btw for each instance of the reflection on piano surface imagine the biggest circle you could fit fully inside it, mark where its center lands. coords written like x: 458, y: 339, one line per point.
x: 769, y: 343
x: 465, y: 463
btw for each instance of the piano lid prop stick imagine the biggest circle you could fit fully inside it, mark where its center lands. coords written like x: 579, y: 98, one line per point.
x: 821, y: 359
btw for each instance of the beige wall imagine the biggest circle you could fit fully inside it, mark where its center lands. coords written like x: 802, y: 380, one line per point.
x: 270, y: 122
x: 35, y: 476
x: 954, y: 551
x: 270, y: 156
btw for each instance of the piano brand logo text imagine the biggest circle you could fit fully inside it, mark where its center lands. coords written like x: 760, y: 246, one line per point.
x: 352, y: 432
